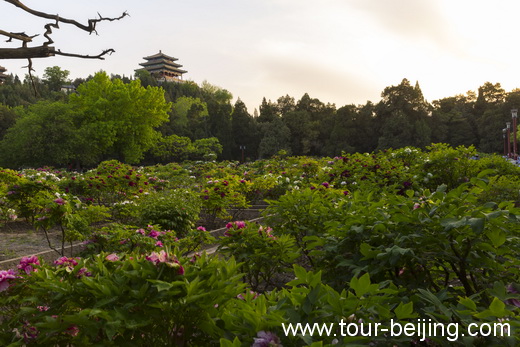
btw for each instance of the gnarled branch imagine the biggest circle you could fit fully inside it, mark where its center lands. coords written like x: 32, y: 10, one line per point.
x: 99, y: 56
x: 90, y: 28
x: 17, y: 36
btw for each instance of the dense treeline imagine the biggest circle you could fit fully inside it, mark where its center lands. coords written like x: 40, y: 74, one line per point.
x: 39, y: 124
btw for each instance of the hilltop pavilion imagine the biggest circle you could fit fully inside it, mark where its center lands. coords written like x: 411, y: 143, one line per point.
x: 163, y: 68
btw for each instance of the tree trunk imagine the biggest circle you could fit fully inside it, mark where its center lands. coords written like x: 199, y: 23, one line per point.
x: 27, y: 52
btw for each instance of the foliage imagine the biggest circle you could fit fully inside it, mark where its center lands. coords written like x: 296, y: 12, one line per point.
x: 176, y: 210
x: 44, y: 134
x: 121, y: 299
x: 118, y: 238
x: 261, y: 254
x: 117, y: 119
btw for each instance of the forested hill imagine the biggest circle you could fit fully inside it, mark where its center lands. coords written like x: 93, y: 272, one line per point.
x: 137, y: 121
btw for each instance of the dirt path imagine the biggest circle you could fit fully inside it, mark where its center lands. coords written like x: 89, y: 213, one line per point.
x: 19, y: 239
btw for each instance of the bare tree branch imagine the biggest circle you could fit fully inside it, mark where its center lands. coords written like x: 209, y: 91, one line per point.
x: 99, y: 56
x: 46, y: 50
x: 90, y: 28
x: 17, y: 36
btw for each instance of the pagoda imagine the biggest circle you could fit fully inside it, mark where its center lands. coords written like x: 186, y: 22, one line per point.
x: 163, y: 68
x: 3, y: 76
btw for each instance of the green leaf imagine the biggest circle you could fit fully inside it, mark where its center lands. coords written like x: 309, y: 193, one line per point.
x: 161, y: 285
x: 404, y: 311
x: 476, y: 224
x: 468, y: 303
x: 226, y: 343
x: 368, y: 251
x: 498, y: 308
x: 361, y: 285
x: 497, y: 237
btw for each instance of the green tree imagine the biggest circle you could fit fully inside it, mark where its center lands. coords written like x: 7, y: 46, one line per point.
x: 276, y: 137
x: 491, y: 116
x: 245, y: 132
x: 451, y: 121
x: 117, y: 120
x: 189, y: 117
x: 403, y: 117
x: 44, y: 134
x: 54, y: 77
x: 207, y: 149
x: 172, y: 148
x: 7, y: 119
x: 303, y: 131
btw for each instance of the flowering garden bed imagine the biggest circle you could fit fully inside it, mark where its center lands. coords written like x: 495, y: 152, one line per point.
x: 407, y: 236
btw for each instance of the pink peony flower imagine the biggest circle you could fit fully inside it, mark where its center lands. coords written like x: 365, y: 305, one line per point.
x: 163, y: 257
x: 70, y: 262
x: 27, y: 264
x: 73, y: 330
x: 83, y: 272
x: 159, y: 244
x: 112, y: 257
x: 5, y: 277
x: 153, y: 234
x: 60, y: 201
x: 240, y: 224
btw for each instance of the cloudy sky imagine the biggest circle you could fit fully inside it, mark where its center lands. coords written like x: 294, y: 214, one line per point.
x: 339, y: 51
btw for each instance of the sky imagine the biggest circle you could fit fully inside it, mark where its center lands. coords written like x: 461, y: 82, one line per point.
x: 339, y: 51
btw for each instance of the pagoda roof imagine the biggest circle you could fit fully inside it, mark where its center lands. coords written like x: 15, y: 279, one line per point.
x: 160, y: 55
x: 159, y: 62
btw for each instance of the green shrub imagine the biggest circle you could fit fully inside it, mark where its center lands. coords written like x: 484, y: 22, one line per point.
x: 176, y: 210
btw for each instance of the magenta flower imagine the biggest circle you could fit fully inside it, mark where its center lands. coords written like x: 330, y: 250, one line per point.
x: 5, y: 277
x: 169, y: 260
x: 153, y: 234
x: 266, y: 339
x: 140, y: 231
x: 240, y: 224
x: 325, y: 184
x: 159, y: 244
x: 70, y: 262
x: 43, y: 308
x: 60, y: 201
x: 194, y: 258
x: 83, y: 272
x: 229, y: 225
x: 416, y: 206
x: 27, y: 264
x: 112, y: 257
x: 201, y: 228
x: 73, y: 330
x: 157, y: 258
